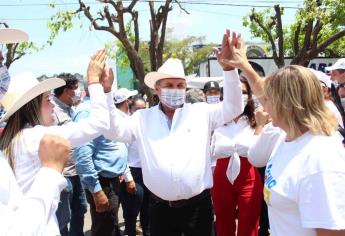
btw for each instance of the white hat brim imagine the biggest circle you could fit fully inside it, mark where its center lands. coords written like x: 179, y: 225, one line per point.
x: 152, y: 77
x: 42, y: 87
x: 8, y: 36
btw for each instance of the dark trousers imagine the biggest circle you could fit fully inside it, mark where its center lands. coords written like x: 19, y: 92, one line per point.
x: 264, y: 222
x: 72, y: 208
x: 194, y: 219
x: 106, y: 223
x: 132, y: 204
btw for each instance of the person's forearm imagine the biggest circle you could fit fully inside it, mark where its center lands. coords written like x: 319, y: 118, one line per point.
x: 255, y: 81
x: 32, y: 212
x: 232, y: 98
x: 119, y: 130
x: 328, y: 232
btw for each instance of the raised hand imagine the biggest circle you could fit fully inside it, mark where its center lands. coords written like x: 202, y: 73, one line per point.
x: 261, y: 117
x: 107, y: 79
x: 96, y: 67
x: 54, y: 159
x: 238, y: 53
x: 225, y: 52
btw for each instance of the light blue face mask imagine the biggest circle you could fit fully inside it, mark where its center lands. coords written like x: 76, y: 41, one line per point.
x: 173, y: 98
x: 213, y: 99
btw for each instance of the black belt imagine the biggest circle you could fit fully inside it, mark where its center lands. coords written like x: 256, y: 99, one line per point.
x: 182, y: 202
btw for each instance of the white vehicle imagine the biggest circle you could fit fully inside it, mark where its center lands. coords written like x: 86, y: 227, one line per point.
x: 211, y: 68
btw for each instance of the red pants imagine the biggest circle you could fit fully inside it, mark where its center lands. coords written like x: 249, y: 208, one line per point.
x: 246, y: 194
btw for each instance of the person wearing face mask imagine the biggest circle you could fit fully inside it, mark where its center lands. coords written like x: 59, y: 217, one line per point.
x: 212, y: 92
x: 173, y: 140
x: 236, y: 183
x: 72, y: 206
x: 121, y: 99
x: 29, y: 116
x: 99, y: 164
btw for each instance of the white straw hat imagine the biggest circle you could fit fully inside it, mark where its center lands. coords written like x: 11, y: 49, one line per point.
x: 23, y: 88
x: 172, y: 68
x: 8, y: 36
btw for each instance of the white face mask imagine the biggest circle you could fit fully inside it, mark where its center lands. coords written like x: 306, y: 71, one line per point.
x: 77, y: 96
x: 173, y: 98
x: 245, y: 99
x: 4, y: 80
x: 213, y: 99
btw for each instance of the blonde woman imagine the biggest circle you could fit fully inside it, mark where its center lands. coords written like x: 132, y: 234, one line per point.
x: 29, y: 116
x: 305, y: 173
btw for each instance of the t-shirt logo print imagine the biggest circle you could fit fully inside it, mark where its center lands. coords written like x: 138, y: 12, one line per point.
x: 270, y: 182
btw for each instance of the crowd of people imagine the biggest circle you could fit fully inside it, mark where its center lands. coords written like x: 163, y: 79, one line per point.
x: 199, y: 163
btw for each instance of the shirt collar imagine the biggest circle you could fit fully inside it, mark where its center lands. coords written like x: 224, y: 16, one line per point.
x: 61, y: 103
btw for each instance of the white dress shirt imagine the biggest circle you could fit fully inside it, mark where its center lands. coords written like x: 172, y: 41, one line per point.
x: 176, y: 162
x: 233, y: 140
x: 27, y: 163
x: 133, y: 155
x: 28, y: 215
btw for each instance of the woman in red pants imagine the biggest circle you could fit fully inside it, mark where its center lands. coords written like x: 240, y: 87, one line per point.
x: 237, y: 183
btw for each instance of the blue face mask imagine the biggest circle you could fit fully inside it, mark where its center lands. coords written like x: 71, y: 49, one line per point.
x: 213, y: 99
x: 173, y: 98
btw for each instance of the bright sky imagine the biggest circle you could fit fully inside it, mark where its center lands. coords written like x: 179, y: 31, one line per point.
x: 71, y: 50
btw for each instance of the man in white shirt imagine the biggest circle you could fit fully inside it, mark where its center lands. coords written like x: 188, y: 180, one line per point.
x: 174, y: 146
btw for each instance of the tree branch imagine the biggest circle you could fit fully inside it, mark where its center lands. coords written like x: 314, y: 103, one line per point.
x: 153, y: 37
x: 181, y: 7
x: 322, y: 46
x: 5, y: 24
x: 136, y: 29
x: 93, y: 20
x: 164, y: 15
x: 280, y: 34
x: 315, y: 33
x: 253, y: 17
x: 131, y: 6
x: 296, y: 39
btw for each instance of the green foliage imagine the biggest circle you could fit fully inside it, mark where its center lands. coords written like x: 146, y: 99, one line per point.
x: 184, y: 50
x: 28, y: 48
x: 177, y: 48
x: 329, y: 13
x: 62, y: 20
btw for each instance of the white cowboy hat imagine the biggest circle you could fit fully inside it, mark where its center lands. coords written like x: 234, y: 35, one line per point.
x: 23, y: 88
x: 172, y: 68
x: 123, y: 94
x: 8, y: 36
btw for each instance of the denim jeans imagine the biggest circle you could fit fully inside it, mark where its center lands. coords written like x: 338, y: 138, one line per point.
x: 132, y: 204
x: 72, y: 208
